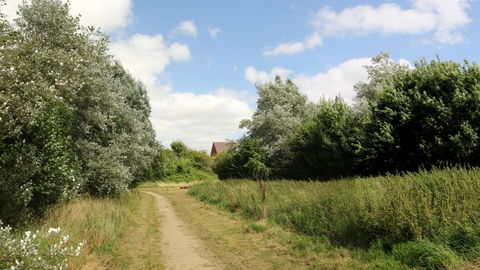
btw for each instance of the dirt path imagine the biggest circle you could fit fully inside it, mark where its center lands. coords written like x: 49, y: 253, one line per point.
x: 180, y: 247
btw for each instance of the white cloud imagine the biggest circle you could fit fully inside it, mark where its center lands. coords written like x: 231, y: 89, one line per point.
x: 147, y: 56
x: 214, y: 32
x: 254, y: 76
x: 110, y: 15
x: 336, y: 80
x: 198, y: 120
x: 186, y: 28
x: 235, y: 67
x: 442, y: 17
x: 293, y: 48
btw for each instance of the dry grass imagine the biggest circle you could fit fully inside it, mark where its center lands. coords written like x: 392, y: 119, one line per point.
x: 99, y: 221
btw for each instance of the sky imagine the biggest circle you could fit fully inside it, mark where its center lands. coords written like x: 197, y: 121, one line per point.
x: 200, y: 60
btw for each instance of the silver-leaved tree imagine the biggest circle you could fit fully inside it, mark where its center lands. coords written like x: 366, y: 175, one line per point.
x: 281, y: 110
x: 71, y: 118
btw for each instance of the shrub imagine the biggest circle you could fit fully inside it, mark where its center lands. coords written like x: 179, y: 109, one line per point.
x: 247, y: 160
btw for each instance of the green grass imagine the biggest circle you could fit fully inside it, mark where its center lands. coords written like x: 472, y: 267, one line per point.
x: 435, y: 214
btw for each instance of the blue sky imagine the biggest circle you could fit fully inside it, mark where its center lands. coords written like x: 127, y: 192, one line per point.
x: 200, y: 60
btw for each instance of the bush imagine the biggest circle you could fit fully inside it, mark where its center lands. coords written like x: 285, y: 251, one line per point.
x: 190, y: 165
x: 244, y: 161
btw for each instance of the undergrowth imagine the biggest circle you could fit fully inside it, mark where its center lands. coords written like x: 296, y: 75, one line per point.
x: 426, y: 219
x: 192, y: 175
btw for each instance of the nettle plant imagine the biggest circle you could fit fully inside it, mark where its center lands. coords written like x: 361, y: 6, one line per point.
x: 30, y: 253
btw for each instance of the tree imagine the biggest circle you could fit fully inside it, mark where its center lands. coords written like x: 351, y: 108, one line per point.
x: 281, y: 109
x: 380, y: 74
x: 71, y: 119
x: 322, y: 147
x: 429, y: 117
x: 178, y: 147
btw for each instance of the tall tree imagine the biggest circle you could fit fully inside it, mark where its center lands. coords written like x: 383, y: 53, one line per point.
x: 322, y: 147
x: 429, y: 117
x: 281, y: 109
x: 380, y: 74
x: 71, y: 119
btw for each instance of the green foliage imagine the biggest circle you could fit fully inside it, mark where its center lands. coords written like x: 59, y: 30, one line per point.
x: 178, y: 147
x: 200, y: 159
x: 192, y: 165
x: 71, y: 119
x: 431, y: 213
x: 380, y: 74
x: 281, y: 109
x: 322, y: 147
x: 193, y: 175
x: 247, y: 160
x: 429, y: 117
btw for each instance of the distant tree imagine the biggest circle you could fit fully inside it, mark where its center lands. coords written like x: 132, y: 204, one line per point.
x: 178, y: 147
x: 281, y: 110
x: 428, y: 117
x: 322, y: 147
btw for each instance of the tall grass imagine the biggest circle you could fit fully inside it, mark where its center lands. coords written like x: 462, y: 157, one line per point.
x: 98, y: 221
x: 439, y: 207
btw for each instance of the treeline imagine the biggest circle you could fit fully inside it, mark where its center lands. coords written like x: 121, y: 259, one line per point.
x: 72, y: 120
x: 180, y: 165
x: 402, y: 120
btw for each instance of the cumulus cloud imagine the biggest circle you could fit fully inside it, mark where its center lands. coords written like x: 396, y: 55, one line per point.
x: 198, y: 120
x: 147, y: 56
x: 254, y: 76
x: 336, y: 80
x: 442, y: 17
x: 109, y: 15
x: 186, y: 28
x: 292, y: 48
x: 214, y: 32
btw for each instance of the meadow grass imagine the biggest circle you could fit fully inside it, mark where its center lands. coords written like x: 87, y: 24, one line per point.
x: 100, y: 222
x: 428, y: 219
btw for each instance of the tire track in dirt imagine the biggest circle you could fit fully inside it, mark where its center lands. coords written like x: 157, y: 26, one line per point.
x: 181, y: 248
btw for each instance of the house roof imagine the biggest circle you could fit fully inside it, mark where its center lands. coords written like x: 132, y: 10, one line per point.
x: 219, y: 147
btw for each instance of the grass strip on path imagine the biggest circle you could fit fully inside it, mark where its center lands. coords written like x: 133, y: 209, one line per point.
x: 139, y: 247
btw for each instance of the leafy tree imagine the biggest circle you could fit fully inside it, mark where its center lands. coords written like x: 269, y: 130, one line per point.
x: 429, y: 117
x: 178, y: 147
x: 71, y: 119
x: 322, y: 147
x: 281, y: 109
x: 380, y: 74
